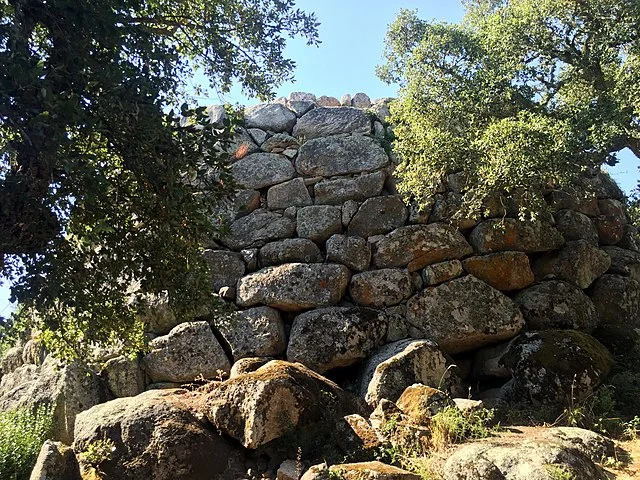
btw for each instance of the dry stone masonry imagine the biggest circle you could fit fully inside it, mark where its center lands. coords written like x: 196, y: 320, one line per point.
x: 331, y: 276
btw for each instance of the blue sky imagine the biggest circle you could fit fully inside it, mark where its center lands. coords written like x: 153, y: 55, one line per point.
x: 352, y: 34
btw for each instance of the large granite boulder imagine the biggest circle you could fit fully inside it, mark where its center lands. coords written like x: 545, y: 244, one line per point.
x: 293, y: 193
x: 617, y: 300
x: 576, y: 226
x: 319, y: 222
x: 331, y: 156
x: 156, y: 435
x: 336, y: 191
x: 378, y: 215
x: 271, y: 116
x: 624, y: 262
x: 225, y: 268
x: 328, y: 338
x: 463, y: 314
x: 258, y: 228
x: 401, y: 364
x: 359, y: 471
x: 69, y: 389
x: 354, y: 252
x: 290, y: 250
x: 552, y: 366
x: 294, y: 286
x: 416, y: 246
x: 260, y: 170
x: 56, y: 461
x: 578, y: 262
x: 504, y: 271
x: 381, y: 288
x: 189, y: 351
x: 497, y: 235
x: 281, y: 402
x: 323, y: 122
x: 557, y: 305
x: 256, y: 332
x: 521, y: 459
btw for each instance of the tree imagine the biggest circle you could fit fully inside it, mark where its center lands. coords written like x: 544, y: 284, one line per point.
x: 521, y: 95
x: 104, y: 180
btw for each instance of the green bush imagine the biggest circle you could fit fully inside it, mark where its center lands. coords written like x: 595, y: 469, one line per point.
x: 22, y: 433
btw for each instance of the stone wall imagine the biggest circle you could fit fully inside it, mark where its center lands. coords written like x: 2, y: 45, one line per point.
x: 328, y: 266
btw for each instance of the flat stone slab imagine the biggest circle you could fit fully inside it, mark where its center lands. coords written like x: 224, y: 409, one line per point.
x: 324, y: 121
x: 260, y: 170
x: 332, y: 156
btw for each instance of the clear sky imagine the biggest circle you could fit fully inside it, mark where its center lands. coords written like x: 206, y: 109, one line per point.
x: 352, y: 34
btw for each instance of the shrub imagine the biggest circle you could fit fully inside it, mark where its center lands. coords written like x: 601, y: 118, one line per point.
x: 22, y: 433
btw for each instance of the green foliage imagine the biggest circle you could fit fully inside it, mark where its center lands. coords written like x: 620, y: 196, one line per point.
x: 98, y: 452
x: 558, y: 472
x: 452, y: 425
x: 22, y: 433
x: 522, y: 94
x: 109, y: 177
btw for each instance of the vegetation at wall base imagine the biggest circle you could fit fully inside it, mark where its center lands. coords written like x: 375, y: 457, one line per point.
x: 22, y: 433
x: 520, y: 96
x: 109, y: 176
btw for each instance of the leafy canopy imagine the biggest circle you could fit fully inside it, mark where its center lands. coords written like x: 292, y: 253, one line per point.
x: 105, y: 180
x: 522, y: 94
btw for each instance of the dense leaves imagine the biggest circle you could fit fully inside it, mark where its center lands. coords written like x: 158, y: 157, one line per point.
x: 105, y: 182
x: 520, y: 95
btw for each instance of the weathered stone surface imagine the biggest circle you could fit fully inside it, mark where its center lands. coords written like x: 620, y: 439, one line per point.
x: 294, y: 286
x: 157, y: 436
x: 156, y: 315
x: 278, y: 400
x: 378, y: 215
x: 293, y: 193
x: 417, y: 246
x: 553, y: 365
x: 319, y: 222
x: 302, y: 97
x: 496, y: 235
x: 33, y: 352
x: 421, y: 402
x: 272, y: 116
x: 258, y: 227
x: 445, y: 208
x: 487, y: 362
x: 259, y: 136
x: 345, y: 100
x: 56, y: 461
x: 585, y: 203
x: 442, y: 272
x: 280, y: 142
x: 557, y: 305
x: 260, y: 170
x: 602, y: 185
x: 369, y: 471
x: 521, y: 459
x: 190, y: 350
x: 354, y: 252
x: 401, y: 364
x: 245, y: 202
x: 124, y: 376
x: 623, y: 262
x: 11, y: 360
x: 381, y: 288
x: 576, y: 226
x: 330, y: 156
x: 630, y: 239
x: 225, y: 268
x: 217, y: 115
x: 248, y: 365
x: 326, y: 101
x: 290, y: 250
x: 349, y: 209
x: 504, y: 271
x: 463, y: 314
x: 361, y: 100
x: 328, y: 338
x: 257, y: 332
x: 578, y: 262
x: 336, y: 191
x: 617, y: 300
x: 69, y: 389
x: 322, y: 122
x: 592, y: 444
